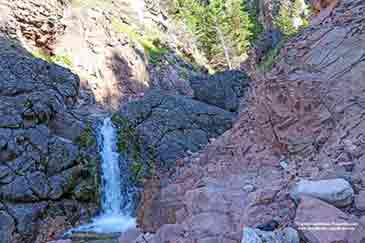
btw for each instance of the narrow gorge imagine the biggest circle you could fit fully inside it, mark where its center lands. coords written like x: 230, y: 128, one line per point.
x: 182, y: 121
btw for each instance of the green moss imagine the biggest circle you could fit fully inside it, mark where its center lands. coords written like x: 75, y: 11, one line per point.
x: 130, y: 144
x: 270, y: 58
x: 137, y: 172
x: 28, y: 104
x: 184, y: 74
x: 87, y: 138
x: 151, y: 44
x: 128, y: 140
x: 90, y: 171
x: 63, y: 60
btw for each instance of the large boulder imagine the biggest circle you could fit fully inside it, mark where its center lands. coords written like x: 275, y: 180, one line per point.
x: 318, y: 221
x: 287, y: 235
x: 175, y: 125
x: 336, y: 191
x: 224, y: 89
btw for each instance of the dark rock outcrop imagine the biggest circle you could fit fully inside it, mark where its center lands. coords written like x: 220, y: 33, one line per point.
x: 40, y: 169
x: 175, y: 125
x: 225, y: 90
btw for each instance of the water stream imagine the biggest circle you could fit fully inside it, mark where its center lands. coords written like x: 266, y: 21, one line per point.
x: 115, y: 216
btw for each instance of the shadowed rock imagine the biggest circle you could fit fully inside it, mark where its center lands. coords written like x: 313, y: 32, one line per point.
x: 37, y: 165
x: 225, y: 89
x: 174, y: 124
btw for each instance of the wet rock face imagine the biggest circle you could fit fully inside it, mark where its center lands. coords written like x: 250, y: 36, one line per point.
x: 38, y: 166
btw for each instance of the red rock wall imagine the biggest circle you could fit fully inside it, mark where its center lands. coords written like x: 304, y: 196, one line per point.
x: 307, y: 113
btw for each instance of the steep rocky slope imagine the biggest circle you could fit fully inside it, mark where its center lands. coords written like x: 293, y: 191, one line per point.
x: 47, y: 168
x: 119, y: 49
x: 65, y: 65
x: 304, y: 120
x: 294, y: 157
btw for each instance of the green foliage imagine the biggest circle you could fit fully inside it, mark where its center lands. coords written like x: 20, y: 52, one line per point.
x: 151, y: 44
x: 90, y: 170
x: 87, y: 138
x: 63, y: 60
x: 284, y: 21
x: 223, y: 28
x: 137, y: 169
x: 270, y: 58
x: 130, y: 144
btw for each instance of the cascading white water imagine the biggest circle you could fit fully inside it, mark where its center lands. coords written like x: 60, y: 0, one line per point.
x: 112, y: 196
x: 113, y: 218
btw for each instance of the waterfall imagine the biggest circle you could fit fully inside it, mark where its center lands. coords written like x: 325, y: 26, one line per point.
x: 115, y: 216
x: 112, y: 196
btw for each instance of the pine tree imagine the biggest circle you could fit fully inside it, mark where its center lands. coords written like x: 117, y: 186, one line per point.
x: 287, y: 14
x: 224, y: 28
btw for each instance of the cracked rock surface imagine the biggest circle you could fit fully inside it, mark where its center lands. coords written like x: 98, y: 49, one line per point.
x: 306, y: 113
x: 39, y: 168
x: 175, y: 125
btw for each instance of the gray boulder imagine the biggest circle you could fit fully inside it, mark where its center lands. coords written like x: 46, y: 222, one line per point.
x: 335, y: 191
x: 7, y: 227
x: 224, y: 89
x: 287, y: 235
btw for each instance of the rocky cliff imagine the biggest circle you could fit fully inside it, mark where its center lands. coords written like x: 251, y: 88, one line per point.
x: 67, y: 64
x: 304, y: 124
x: 222, y: 158
x: 48, y: 157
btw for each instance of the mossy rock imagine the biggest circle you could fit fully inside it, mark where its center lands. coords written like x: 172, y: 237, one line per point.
x: 87, y: 138
x: 131, y: 145
x: 89, y: 188
x: 85, y: 192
